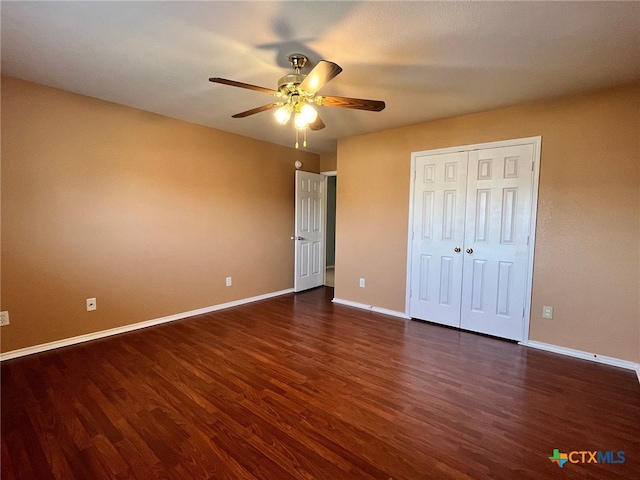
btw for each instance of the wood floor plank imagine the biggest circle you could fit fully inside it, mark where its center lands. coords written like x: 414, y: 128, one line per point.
x: 297, y: 387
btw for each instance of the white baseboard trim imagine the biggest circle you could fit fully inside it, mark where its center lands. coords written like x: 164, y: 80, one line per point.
x: 594, y: 357
x: 134, y: 326
x: 371, y: 308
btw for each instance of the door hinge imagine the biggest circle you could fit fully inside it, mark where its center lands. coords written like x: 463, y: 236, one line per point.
x: 532, y: 165
x: 527, y: 240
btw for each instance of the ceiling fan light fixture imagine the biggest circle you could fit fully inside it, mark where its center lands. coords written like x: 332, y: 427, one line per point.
x: 299, y: 122
x: 306, y: 115
x: 283, y: 114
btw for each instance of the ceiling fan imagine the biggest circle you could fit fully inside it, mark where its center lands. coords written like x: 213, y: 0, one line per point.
x: 297, y: 95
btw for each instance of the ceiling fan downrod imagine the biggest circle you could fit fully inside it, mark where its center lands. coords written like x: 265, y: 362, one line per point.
x: 297, y: 61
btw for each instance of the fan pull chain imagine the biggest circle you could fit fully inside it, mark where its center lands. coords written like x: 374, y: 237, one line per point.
x: 304, y: 137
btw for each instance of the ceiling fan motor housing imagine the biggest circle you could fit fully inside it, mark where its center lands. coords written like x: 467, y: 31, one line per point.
x: 289, y: 82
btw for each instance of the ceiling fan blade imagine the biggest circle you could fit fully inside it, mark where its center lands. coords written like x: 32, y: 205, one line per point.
x: 263, y: 108
x: 357, y: 103
x: 248, y: 86
x: 319, y: 76
x: 317, y: 125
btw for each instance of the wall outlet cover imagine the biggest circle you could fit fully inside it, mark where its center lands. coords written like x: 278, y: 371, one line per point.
x: 4, y: 318
x: 91, y: 304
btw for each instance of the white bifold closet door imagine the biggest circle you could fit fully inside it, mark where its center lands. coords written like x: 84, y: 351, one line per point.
x: 470, y: 240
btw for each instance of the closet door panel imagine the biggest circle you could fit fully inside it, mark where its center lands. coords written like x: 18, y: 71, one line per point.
x: 499, y: 186
x: 437, y: 231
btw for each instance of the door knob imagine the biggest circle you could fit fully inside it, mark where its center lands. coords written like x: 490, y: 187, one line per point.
x: 457, y: 249
x: 297, y: 238
x: 469, y: 250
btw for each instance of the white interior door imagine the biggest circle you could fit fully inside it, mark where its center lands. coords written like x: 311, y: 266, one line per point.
x: 438, y: 237
x: 499, y: 192
x: 309, y: 235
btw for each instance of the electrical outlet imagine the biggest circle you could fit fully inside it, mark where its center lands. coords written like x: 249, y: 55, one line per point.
x: 362, y: 283
x: 228, y: 281
x: 91, y: 304
x: 547, y: 312
x: 4, y: 318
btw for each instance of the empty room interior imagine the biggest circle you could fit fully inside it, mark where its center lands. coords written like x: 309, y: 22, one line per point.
x: 332, y: 240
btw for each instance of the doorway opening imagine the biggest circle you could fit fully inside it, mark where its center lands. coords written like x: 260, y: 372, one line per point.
x: 330, y: 242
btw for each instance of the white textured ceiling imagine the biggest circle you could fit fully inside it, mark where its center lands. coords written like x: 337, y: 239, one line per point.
x: 426, y: 60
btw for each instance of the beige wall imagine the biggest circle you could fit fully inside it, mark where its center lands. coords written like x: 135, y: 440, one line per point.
x: 145, y: 213
x: 328, y: 162
x: 149, y: 214
x: 587, y: 253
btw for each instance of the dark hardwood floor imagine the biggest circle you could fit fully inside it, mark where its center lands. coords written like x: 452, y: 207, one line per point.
x: 297, y: 388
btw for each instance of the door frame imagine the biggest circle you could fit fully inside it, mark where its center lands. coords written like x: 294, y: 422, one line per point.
x: 537, y: 145
x: 331, y: 173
